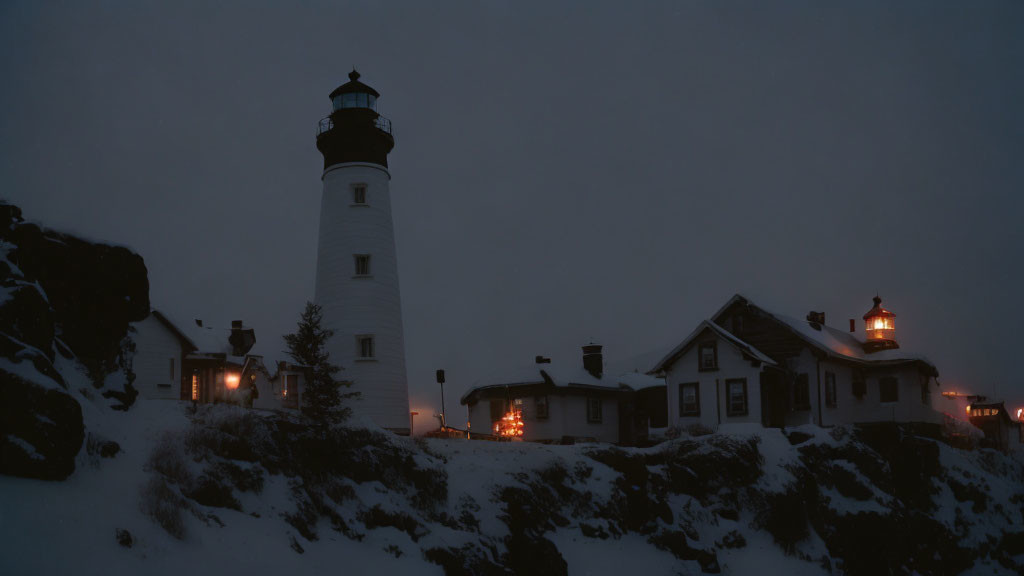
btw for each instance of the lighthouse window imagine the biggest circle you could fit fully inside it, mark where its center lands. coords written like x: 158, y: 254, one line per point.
x: 362, y: 264
x: 365, y: 346
x: 359, y: 194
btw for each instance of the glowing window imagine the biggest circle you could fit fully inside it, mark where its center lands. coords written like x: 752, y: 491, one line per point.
x: 195, y: 387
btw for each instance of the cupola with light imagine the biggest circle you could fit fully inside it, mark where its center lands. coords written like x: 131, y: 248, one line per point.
x: 880, y: 328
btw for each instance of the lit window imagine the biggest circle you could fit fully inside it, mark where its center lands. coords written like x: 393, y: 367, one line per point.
x: 359, y: 194
x: 737, y: 400
x: 888, y: 390
x: 362, y: 264
x: 195, y: 387
x: 365, y: 346
x: 594, y: 409
x: 830, y: 389
x: 708, y: 356
x: 689, y: 399
x: 540, y: 404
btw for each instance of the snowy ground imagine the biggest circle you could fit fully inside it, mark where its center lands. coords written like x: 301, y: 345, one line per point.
x: 69, y: 527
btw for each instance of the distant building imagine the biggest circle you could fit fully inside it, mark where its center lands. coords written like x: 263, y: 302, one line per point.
x: 746, y: 364
x: 567, y: 403
x: 1001, y: 430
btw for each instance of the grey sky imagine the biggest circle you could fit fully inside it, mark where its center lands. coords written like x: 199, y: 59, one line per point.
x: 562, y: 173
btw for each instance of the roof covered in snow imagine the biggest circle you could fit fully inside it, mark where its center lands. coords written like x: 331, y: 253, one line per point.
x: 740, y: 345
x: 837, y: 343
x: 205, y: 340
x: 561, y: 375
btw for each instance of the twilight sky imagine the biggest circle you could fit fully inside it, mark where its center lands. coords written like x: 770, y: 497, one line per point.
x: 563, y: 172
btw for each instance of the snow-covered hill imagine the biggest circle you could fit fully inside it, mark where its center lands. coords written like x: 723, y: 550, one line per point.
x: 98, y: 482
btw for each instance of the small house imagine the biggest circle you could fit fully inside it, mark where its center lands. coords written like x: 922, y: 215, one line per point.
x: 1001, y: 431
x: 565, y: 403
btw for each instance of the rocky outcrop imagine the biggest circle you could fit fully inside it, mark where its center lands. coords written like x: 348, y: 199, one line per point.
x: 61, y: 299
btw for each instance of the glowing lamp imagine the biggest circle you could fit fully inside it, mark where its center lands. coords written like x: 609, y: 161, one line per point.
x: 968, y: 409
x: 880, y: 328
x: 231, y: 381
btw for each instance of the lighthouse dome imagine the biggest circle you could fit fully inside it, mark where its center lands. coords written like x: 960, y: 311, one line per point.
x: 354, y: 94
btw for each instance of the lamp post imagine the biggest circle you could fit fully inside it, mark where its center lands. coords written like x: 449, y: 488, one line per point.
x: 440, y: 380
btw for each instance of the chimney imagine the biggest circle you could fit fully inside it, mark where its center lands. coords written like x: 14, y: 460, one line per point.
x: 593, y: 361
x: 817, y: 319
x: 853, y: 325
x: 241, y: 339
x: 199, y: 322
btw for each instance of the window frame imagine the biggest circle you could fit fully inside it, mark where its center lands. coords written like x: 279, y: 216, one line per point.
x: 729, y: 410
x: 363, y: 259
x: 359, y: 190
x: 542, y: 410
x: 595, y: 410
x: 830, y: 389
x: 884, y: 398
x: 713, y: 346
x: 360, y: 340
x: 683, y: 412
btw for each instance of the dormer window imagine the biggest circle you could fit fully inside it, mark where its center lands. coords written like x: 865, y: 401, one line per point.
x: 707, y: 356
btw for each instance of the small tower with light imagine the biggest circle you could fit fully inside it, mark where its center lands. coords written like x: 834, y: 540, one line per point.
x: 880, y: 328
x: 357, y: 265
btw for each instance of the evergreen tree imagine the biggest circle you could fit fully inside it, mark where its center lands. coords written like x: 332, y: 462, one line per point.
x: 321, y: 400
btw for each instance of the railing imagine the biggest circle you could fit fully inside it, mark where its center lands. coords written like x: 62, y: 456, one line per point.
x: 381, y: 123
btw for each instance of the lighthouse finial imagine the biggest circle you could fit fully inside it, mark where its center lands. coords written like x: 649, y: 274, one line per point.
x: 353, y: 75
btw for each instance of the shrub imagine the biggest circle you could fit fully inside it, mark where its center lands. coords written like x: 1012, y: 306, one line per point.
x: 161, y: 503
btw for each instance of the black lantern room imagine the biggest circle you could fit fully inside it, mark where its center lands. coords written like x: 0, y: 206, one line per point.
x: 355, y: 131
x: 880, y: 328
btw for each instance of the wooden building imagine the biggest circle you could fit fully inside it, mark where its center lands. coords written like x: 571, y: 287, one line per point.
x: 748, y: 365
x: 568, y: 402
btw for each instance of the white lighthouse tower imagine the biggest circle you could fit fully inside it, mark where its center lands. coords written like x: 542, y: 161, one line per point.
x: 357, y: 270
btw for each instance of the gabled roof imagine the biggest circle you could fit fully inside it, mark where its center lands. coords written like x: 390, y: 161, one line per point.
x: 746, y: 349
x: 173, y: 328
x: 836, y: 343
x: 201, y: 340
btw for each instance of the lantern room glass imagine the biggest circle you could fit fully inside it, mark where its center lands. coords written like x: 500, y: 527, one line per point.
x: 355, y: 100
x: 881, y: 328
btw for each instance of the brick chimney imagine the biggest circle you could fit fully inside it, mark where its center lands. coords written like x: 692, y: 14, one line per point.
x: 593, y: 361
x: 241, y: 339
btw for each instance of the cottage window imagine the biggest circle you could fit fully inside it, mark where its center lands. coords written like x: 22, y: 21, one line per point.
x: 365, y: 346
x: 801, y: 393
x: 830, y: 389
x: 540, y: 404
x: 737, y: 397
x: 860, y: 384
x: 359, y: 194
x: 708, y: 356
x: 594, y: 409
x: 362, y: 264
x: 888, y: 390
x: 689, y: 399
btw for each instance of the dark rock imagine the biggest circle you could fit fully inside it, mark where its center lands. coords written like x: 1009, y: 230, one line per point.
x: 96, y: 446
x: 796, y: 437
x: 124, y: 538
x: 210, y: 490
x: 295, y: 545
x: 466, y: 561
x: 676, y: 543
x: 47, y: 419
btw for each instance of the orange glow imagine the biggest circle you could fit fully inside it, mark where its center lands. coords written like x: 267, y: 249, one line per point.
x: 1019, y: 411
x: 231, y: 381
x: 968, y: 409
x: 195, y: 387
x: 511, y: 424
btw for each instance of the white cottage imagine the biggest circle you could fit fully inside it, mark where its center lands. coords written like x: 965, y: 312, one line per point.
x: 566, y: 403
x: 746, y: 364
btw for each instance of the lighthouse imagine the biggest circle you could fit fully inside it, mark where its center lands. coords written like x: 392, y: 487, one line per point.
x: 357, y: 268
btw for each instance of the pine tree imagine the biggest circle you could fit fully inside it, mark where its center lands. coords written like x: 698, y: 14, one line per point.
x: 321, y: 400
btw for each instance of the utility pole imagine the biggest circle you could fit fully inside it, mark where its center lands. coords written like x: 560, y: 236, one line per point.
x: 440, y: 380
